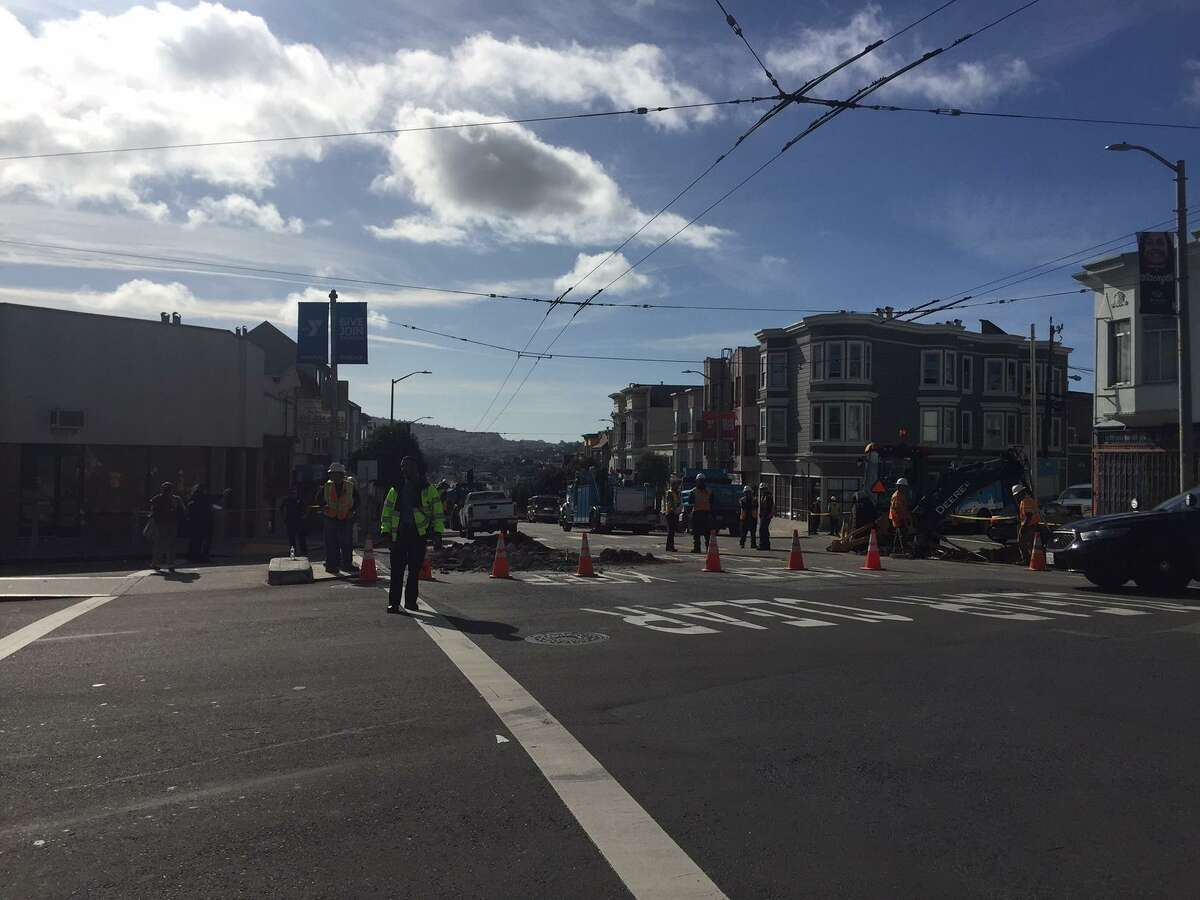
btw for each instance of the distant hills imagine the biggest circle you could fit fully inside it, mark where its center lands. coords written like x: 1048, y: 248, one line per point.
x: 484, y: 446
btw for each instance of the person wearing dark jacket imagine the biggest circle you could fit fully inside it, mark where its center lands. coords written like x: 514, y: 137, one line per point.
x: 864, y: 510
x: 167, y: 514
x: 814, y: 515
x: 748, y: 515
x: 200, y: 524
x: 766, y: 512
x: 295, y: 519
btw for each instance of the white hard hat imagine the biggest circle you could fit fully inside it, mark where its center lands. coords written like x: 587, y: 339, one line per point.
x: 1018, y: 490
x: 762, y: 485
x: 747, y: 490
x: 337, y: 469
x: 901, y: 482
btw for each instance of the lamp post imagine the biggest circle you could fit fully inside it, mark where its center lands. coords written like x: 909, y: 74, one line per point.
x: 1183, y: 337
x: 392, y: 411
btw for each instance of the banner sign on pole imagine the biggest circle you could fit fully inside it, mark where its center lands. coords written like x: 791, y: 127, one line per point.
x: 312, y: 333
x: 350, y: 333
x: 1156, y: 273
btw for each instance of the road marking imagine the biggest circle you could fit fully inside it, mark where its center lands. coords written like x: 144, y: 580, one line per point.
x: 640, y: 852
x: 23, y: 637
x: 93, y: 634
x: 501, y: 739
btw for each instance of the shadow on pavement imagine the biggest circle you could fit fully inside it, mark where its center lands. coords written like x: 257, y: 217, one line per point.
x: 185, y: 577
x: 498, y: 630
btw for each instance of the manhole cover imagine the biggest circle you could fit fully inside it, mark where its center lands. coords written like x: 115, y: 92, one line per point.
x: 567, y: 637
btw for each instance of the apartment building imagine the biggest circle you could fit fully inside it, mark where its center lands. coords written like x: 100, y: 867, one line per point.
x: 1136, y: 393
x: 731, y: 405
x: 643, y: 420
x: 688, y: 406
x: 830, y: 384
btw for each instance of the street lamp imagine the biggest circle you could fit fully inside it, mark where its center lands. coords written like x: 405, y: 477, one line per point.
x: 418, y: 419
x: 1183, y: 337
x: 392, y: 411
x: 695, y: 372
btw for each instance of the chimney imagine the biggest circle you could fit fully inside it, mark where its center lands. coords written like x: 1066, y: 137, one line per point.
x: 176, y: 318
x: 165, y: 317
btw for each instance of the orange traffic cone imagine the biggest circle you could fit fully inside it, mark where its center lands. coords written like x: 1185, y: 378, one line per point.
x: 500, y: 565
x: 712, y: 562
x: 368, y: 574
x: 426, y: 569
x: 1037, y: 559
x: 585, y: 560
x: 873, y: 561
x: 795, y: 558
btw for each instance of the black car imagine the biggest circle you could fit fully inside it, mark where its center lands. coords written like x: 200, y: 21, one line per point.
x: 542, y: 508
x: 1158, y: 548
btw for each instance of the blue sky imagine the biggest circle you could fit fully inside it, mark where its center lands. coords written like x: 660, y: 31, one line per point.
x: 874, y: 209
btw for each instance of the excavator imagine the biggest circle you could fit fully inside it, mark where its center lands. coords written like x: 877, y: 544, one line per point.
x: 935, y: 501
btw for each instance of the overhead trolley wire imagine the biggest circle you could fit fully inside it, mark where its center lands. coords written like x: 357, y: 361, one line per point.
x: 375, y: 132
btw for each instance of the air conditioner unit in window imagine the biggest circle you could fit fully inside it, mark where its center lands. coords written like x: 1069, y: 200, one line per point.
x: 66, y: 418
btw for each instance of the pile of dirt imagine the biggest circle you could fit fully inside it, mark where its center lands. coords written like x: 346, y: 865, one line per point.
x: 613, y: 555
x: 524, y: 553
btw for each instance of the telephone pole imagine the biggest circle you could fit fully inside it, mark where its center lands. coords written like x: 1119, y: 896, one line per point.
x: 333, y: 376
x: 1033, y: 454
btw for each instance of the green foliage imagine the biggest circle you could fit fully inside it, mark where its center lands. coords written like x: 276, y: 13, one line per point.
x: 390, y: 444
x: 652, y: 469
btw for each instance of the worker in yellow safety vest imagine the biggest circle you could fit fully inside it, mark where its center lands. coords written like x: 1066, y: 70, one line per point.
x: 671, y: 511
x: 411, y: 511
x: 1030, y: 519
x: 339, y: 504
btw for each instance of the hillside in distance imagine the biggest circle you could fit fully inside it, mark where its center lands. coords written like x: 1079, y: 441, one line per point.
x: 483, y: 446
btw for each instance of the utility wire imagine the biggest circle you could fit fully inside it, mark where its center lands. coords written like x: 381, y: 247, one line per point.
x: 196, y: 145
x: 539, y: 356
x: 817, y: 123
x: 737, y: 29
x: 955, y: 112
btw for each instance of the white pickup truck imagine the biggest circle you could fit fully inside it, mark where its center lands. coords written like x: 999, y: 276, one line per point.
x: 487, y: 511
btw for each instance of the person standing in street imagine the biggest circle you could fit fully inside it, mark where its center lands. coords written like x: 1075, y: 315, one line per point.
x: 766, y: 512
x: 295, y: 521
x: 199, y: 524
x: 339, y: 503
x: 748, y: 516
x: 412, y: 509
x: 1030, y: 519
x: 814, y: 514
x: 166, y: 511
x: 834, y: 508
x: 899, y: 515
x: 671, y: 510
x: 701, y: 513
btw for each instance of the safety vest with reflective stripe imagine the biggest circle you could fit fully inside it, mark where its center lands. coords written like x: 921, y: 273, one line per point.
x: 702, y: 499
x: 339, y: 504
x: 898, y: 511
x: 428, y: 508
x: 1029, y: 511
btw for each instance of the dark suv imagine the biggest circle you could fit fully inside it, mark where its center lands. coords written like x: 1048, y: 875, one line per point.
x: 1158, y: 548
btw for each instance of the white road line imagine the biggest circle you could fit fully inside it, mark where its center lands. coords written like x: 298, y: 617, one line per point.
x: 641, y: 853
x: 23, y: 637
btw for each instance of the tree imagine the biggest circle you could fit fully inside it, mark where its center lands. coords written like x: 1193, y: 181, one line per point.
x: 653, y: 470
x: 389, y: 445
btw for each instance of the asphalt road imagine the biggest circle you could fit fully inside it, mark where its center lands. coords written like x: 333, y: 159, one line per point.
x: 933, y: 730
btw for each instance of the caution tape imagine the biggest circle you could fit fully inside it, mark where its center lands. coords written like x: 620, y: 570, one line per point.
x: 985, y: 518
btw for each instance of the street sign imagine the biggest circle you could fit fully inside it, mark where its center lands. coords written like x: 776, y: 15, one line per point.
x: 312, y: 333
x: 350, y: 333
x: 1156, y: 273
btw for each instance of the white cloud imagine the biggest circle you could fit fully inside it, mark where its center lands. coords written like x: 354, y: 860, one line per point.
x: 507, y: 182
x: 815, y: 51
x: 238, y: 209
x: 166, y: 74
x: 420, y: 230
x: 585, y: 262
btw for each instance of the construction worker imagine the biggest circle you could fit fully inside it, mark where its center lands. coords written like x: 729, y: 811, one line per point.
x: 339, y: 501
x: 702, y: 504
x: 748, y: 515
x: 671, y: 510
x: 410, y: 511
x: 899, y: 515
x: 834, y: 509
x: 1029, y: 517
x: 814, y: 514
x: 766, y: 512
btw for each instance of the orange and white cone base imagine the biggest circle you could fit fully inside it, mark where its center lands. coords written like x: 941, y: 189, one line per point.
x: 368, y: 574
x: 500, y: 564
x: 712, y: 562
x: 1037, y: 559
x: 585, y: 569
x: 873, y: 562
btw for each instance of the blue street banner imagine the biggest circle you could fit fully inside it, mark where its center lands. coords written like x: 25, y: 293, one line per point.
x: 312, y: 333
x: 350, y: 333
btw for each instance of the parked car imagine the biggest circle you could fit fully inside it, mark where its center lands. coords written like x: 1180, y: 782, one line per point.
x: 1073, y: 503
x: 1157, y: 548
x: 542, y: 508
x: 487, y: 511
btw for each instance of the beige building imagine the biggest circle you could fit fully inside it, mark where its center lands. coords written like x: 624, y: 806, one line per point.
x: 643, y: 419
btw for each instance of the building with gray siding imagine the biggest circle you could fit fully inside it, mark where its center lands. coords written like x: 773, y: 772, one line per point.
x: 830, y: 384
